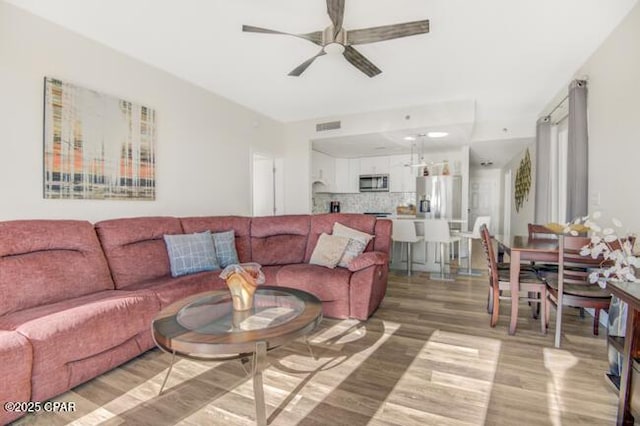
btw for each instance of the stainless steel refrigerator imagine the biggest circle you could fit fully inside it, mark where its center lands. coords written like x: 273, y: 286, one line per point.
x: 439, y: 197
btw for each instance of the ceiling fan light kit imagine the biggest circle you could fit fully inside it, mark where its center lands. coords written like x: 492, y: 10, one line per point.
x: 336, y: 39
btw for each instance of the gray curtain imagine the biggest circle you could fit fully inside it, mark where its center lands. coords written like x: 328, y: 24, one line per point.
x: 543, y: 171
x: 578, y: 152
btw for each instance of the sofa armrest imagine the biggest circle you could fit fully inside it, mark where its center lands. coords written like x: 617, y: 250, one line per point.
x: 367, y: 259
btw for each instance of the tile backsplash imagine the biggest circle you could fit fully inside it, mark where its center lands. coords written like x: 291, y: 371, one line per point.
x: 363, y: 202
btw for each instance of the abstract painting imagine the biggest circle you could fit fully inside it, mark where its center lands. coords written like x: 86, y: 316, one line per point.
x: 97, y: 146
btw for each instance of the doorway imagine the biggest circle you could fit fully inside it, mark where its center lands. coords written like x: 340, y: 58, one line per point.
x: 484, y: 198
x: 267, y: 185
x: 506, y: 229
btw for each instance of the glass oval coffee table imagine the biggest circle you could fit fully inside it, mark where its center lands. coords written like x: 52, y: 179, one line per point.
x: 205, y: 327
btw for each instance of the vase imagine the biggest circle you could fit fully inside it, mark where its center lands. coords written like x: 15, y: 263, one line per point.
x: 242, y: 280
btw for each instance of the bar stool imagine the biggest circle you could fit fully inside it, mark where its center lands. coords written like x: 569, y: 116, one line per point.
x: 437, y: 231
x: 404, y: 231
x: 470, y: 236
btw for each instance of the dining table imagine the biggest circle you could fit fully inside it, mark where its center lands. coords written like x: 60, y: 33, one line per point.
x: 522, y: 248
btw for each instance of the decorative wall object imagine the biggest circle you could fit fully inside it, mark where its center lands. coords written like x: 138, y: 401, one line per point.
x: 97, y: 146
x: 523, y: 181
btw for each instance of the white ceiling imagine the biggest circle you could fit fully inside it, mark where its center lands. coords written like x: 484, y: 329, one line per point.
x: 393, y: 143
x: 510, y: 56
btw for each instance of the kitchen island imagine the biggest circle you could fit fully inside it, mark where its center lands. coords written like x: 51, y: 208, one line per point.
x: 423, y: 253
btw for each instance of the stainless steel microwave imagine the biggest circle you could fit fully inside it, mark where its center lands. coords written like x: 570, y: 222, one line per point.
x: 374, y: 183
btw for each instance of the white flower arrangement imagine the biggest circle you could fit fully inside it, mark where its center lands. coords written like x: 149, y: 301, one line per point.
x: 619, y: 260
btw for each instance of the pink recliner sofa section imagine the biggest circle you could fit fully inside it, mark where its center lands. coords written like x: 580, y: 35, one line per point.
x: 77, y: 299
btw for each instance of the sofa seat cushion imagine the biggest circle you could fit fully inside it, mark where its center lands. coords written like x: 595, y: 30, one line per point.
x: 15, y: 370
x: 64, y: 332
x: 168, y: 289
x: 326, y: 284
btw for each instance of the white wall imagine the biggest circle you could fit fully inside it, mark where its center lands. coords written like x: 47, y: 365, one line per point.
x: 613, y: 73
x: 204, y: 141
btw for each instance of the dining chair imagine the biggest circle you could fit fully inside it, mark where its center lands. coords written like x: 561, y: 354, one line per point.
x: 571, y: 286
x: 540, y: 231
x: 404, y: 231
x: 531, y: 287
x: 437, y: 231
x: 470, y: 236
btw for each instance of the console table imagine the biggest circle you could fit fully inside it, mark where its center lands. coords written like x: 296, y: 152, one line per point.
x: 630, y: 294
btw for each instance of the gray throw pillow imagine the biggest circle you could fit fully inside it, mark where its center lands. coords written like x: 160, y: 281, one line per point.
x: 328, y: 250
x: 358, y: 241
x: 225, y: 244
x: 190, y: 253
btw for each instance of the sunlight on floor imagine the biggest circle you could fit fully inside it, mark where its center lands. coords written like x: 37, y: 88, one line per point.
x: 452, y: 371
x: 557, y: 362
x: 287, y: 381
x: 322, y: 377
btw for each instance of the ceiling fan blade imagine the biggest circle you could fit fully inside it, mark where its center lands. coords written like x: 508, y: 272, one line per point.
x: 387, y: 32
x: 252, y: 29
x: 335, y: 9
x: 360, y: 62
x: 303, y: 66
x: 314, y: 37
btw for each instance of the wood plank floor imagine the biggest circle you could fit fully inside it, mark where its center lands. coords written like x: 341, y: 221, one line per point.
x: 427, y: 357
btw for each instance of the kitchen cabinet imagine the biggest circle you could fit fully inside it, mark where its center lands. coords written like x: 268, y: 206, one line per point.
x: 342, y: 175
x: 347, y: 175
x: 401, y: 177
x: 354, y: 175
x: 374, y: 165
x: 323, y: 169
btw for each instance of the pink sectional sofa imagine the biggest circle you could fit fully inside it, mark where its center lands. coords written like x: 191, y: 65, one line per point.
x: 77, y: 299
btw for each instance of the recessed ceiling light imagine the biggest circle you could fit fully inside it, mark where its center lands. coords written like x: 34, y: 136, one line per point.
x: 437, y: 134
x: 409, y: 138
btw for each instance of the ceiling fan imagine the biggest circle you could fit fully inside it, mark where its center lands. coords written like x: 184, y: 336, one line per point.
x: 336, y: 38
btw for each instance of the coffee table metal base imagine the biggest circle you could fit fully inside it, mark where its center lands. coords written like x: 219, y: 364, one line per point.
x: 204, y: 327
x: 259, y: 364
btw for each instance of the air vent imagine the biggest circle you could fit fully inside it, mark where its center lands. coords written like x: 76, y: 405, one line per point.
x: 331, y: 125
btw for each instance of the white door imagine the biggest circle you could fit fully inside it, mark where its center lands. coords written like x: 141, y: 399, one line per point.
x: 267, y: 185
x: 484, y: 199
x: 506, y: 227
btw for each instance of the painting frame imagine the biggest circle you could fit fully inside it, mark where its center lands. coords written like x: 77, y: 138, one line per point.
x: 96, y: 146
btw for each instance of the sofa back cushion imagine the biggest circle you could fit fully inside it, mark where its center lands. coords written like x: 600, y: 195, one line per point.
x: 45, y: 261
x: 240, y: 225
x: 324, y: 223
x: 279, y: 240
x: 135, y: 247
